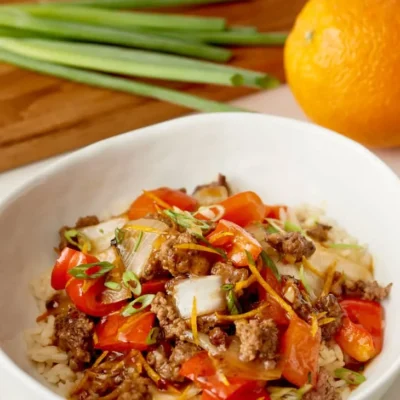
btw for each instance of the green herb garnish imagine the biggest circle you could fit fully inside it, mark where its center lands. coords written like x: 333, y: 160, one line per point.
x: 234, y: 306
x: 152, y: 336
x: 101, y: 230
x: 139, y: 240
x: 143, y: 302
x: 227, y: 287
x: 78, y: 239
x: 267, y: 260
x: 130, y: 277
x: 188, y: 221
x: 351, y: 377
x: 113, y: 285
x: 119, y: 235
x: 80, y: 271
x: 291, y: 227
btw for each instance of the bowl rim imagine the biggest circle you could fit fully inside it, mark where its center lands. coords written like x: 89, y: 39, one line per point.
x: 163, y: 128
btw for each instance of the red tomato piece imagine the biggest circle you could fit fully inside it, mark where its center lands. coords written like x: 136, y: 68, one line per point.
x: 144, y: 205
x: 118, y: 333
x: 155, y: 286
x: 273, y: 211
x: 236, y: 244
x: 68, y: 259
x: 368, y: 314
x: 243, y: 208
x: 300, y: 351
x: 86, y: 295
x: 201, y: 370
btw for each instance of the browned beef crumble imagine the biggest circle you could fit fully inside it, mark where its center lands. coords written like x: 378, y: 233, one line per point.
x: 366, y: 290
x: 218, y: 337
x: 113, y: 378
x: 300, y: 304
x: 319, y: 232
x: 258, y: 338
x: 169, y: 367
x: 206, y: 322
x: 171, y: 323
x: 331, y: 306
x: 74, y: 334
x: 80, y: 223
x: 291, y: 244
x: 229, y: 274
x: 181, y: 261
x: 337, y: 284
x: 324, y: 389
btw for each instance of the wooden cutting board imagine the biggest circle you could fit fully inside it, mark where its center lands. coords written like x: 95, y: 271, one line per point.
x: 41, y: 116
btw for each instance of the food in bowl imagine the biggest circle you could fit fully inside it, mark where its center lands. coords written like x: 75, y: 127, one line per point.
x: 212, y: 295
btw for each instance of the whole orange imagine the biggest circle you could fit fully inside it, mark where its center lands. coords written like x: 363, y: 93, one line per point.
x: 342, y: 62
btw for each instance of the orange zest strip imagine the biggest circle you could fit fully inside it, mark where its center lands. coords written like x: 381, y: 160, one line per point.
x: 249, y: 314
x: 219, y: 236
x: 245, y: 284
x: 221, y: 376
x: 150, y: 371
x: 310, y: 267
x: 268, y: 288
x: 329, y: 279
x: 321, y: 314
x: 193, y: 246
x: 325, y: 321
x: 147, y: 229
x: 314, y: 325
x: 193, y: 322
x: 157, y: 200
x: 102, y: 356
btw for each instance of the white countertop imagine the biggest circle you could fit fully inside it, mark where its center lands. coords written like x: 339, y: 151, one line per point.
x: 277, y: 102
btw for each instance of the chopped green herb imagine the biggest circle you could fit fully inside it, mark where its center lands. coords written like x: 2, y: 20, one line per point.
x: 113, y: 285
x: 101, y: 230
x: 271, y: 229
x: 227, y: 287
x: 132, y: 282
x: 344, y: 246
x: 304, y: 281
x: 119, y: 235
x: 188, y: 221
x: 274, y: 224
x: 78, y: 239
x: 291, y: 227
x: 142, y: 301
x: 234, y: 306
x: 351, y: 377
x: 153, y: 336
x: 99, y: 269
x: 267, y: 260
x: 138, y: 241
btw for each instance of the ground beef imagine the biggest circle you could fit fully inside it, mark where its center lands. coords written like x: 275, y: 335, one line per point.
x: 300, y: 304
x: 169, y: 367
x: 206, y: 322
x: 366, y: 290
x: 257, y: 339
x: 324, y: 389
x: 115, y: 377
x: 74, y: 334
x: 218, y: 337
x: 171, y: 323
x: 331, y: 306
x: 182, y: 261
x: 319, y: 232
x: 230, y: 274
x: 291, y: 244
x: 81, y: 223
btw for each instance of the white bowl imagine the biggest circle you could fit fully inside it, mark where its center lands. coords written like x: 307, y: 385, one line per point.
x: 285, y: 161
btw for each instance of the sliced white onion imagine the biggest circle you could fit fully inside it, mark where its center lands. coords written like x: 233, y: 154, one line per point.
x: 101, y: 235
x: 207, y: 290
x: 109, y: 255
x: 204, y: 342
x: 209, y: 195
x: 212, y: 213
x: 136, y: 255
x: 190, y: 393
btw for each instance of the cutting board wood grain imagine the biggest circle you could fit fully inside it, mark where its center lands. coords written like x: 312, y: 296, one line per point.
x: 41, y: 116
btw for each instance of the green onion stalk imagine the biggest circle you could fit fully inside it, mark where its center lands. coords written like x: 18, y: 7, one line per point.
x: 114, y: 83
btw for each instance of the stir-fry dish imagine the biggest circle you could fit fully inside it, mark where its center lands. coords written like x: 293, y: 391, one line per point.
x: 211, y: 296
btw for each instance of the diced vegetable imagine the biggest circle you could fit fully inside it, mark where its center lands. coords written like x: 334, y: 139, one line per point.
x: 154, y: 286
x: 86, y: 295
x: 136, y: 257
x: 144, y: 205
x: 207, y: 290
x: 243, y: 208
x: 137, y: 305
x: 68, y: 259
x: 351, y: 377
x: 117, y: 333
x: 101, y: 235
x: 236, y: 245
x: 300, y: 352
x: 201, y: 370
